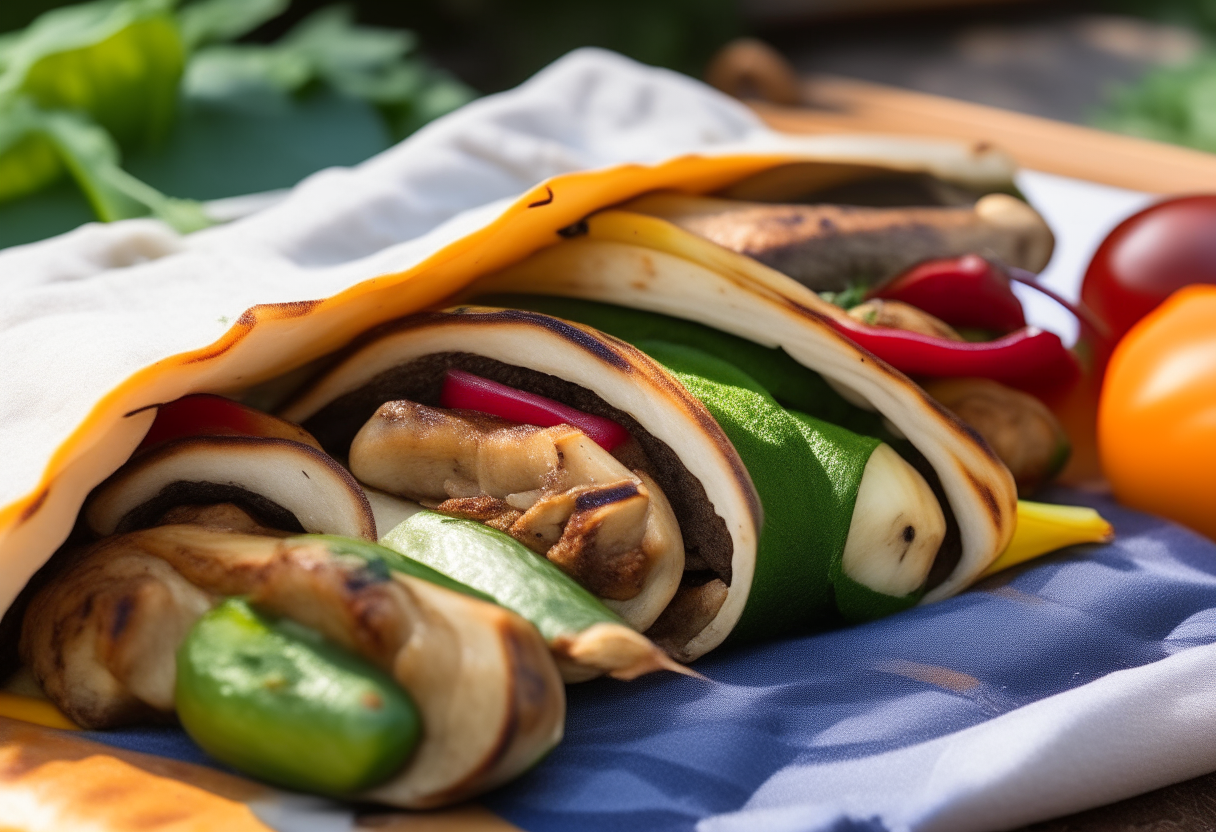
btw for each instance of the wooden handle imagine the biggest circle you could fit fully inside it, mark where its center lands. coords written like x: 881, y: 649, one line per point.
x: 840, y: 105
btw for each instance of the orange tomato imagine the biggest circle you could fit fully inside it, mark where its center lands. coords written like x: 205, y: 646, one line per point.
x: 1157, y: 414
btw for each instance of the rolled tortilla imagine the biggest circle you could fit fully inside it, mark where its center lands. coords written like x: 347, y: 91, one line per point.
x: 693, y: 459
x: 271, y: 342
x: 263, y: 351
x: 694, y: 462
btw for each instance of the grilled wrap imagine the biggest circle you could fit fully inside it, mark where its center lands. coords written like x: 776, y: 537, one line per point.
x: 680, y: 442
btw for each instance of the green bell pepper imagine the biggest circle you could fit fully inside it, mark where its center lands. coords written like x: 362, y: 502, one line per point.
x: 585, y: 637
x: 385, y: 558
x: 502, y: 567
x: 273, y: 699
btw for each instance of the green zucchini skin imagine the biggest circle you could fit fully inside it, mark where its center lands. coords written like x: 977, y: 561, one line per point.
x: 790, y: 589
x: 501, y: 568
x: 844, y: 455
x: 382, y: 559
x: 792, y: 385
x: 275, y: 700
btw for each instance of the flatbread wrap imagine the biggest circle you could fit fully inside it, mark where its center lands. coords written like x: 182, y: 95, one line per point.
x: 734, y: 578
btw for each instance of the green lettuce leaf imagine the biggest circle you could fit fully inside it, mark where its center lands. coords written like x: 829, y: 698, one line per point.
x: 213, y: 21
x: 119, y: 61
x: 368, y: 63
x: 47, y: 142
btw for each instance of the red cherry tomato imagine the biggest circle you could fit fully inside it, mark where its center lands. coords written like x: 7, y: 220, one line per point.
x: 1150, y: 255
x: 465, y: 391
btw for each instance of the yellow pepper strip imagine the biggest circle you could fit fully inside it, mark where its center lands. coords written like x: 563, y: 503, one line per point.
x: 37, y: 711
x: 1045, y: 527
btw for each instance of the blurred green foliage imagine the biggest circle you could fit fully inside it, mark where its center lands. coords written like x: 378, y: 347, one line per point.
x: 328, y: 49
x: 88, y: 88
x: 1199, y: 15
x: 1171, y: 104
x: 1176, y: 104
x: 496, y: 44
x: 78, y: 82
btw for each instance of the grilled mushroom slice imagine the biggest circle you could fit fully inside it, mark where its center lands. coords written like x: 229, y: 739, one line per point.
x: 678, y: 450
x: 1021, y: 430
x: 552, y: 489
x: 285, y: 484
x: 825, y: 247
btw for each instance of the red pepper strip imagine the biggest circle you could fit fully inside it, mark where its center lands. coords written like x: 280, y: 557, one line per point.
x: 1091, y: 325
x: 465, y: 391
x: 203, y: 414
x: 1029, y: 359
x: 965, y: 291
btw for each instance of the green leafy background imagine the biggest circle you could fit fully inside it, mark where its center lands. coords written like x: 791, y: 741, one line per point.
x: 1177, y: 103
x: 124, y: 108
x: 269, y: 91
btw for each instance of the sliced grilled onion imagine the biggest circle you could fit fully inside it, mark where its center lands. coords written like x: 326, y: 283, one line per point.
x: 284, y: 484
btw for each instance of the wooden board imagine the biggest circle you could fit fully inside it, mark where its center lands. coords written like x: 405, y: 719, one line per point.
x: 841, y: 105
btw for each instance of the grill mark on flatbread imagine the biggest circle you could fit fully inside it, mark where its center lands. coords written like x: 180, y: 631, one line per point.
x: 247, y: 321
x: 557, y: 326
x: 138, y: 410
x: 707, y: 541
x: 480, y: 316
x: 985, y: 492
x: 34, y: 505
x: 545, y: 200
